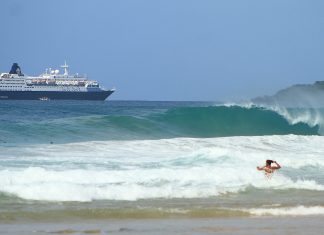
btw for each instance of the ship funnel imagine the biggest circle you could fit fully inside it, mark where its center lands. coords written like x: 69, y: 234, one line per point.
x: 15, y: 69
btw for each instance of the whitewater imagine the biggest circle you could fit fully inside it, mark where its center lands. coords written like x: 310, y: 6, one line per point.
x: 195, y: 156
x: 167, y: 168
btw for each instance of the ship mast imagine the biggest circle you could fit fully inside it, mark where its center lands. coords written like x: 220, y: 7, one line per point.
x: 65, y: 67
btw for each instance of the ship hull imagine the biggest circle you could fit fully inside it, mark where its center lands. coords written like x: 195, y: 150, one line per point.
x: 54, y: 95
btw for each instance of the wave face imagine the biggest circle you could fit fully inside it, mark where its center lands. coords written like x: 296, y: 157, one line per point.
x: 231, y: 121
x: 75, y: 122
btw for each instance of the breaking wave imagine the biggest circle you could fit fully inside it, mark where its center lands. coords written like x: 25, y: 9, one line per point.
x: 197, y: 122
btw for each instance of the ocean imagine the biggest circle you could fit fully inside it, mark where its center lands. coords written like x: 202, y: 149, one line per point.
x: 138, y: 159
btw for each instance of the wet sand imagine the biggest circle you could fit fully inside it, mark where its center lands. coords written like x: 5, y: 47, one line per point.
x: 251, y: 226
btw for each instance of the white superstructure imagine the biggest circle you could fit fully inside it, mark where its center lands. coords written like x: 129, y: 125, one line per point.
x: 51, y: 80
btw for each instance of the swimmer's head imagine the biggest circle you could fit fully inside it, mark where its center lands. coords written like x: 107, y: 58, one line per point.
x: 268, y: 162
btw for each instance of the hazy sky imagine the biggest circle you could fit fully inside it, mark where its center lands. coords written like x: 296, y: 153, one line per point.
x: 169, y: 49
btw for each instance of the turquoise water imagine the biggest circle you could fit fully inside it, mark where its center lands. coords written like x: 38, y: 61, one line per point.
x: 64, y: 122
x: 144, y: 159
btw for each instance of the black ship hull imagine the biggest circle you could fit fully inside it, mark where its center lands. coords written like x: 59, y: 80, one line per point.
x: 54, y: 95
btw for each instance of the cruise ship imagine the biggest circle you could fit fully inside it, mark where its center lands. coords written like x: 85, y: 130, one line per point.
x: 51, y: 85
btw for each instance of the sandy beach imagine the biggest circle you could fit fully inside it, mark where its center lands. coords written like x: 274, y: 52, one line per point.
x: 255, y: 225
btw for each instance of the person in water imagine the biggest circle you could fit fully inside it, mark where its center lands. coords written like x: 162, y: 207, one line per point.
x: 268, y: 169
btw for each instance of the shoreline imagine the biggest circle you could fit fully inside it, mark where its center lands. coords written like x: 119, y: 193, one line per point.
x: 250, y: 225
x: 224, y: 206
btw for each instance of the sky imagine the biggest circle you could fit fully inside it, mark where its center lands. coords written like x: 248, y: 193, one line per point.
x: 181, y: 50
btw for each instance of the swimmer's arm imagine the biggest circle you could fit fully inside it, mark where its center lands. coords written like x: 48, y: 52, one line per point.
x: 276, y: 167
x: 260, y: 168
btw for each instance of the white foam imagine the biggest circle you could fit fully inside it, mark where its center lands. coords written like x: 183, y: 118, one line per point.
x: 287, y: 211
x: 312, y: 116
x: 166, y: 168
x: 244, y: 104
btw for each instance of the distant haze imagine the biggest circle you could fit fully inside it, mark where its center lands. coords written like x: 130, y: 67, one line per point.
x: 169, y: 50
